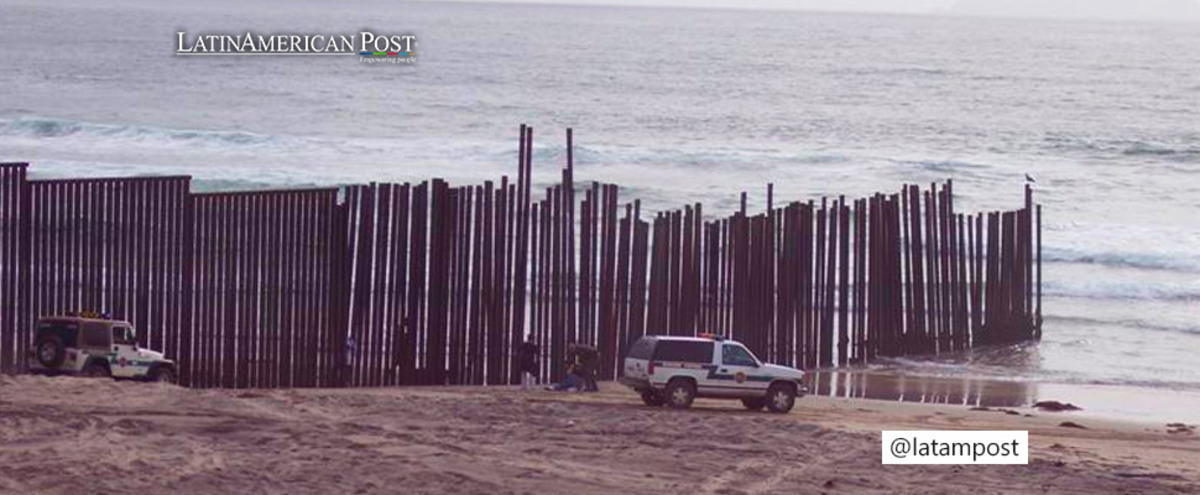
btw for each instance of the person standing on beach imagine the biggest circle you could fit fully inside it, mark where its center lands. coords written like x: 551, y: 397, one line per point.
x: 348, y: 361
x: 527, y: 360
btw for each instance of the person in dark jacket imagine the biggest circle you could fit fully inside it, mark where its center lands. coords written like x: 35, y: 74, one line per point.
x: 585, y: 360
x: 527, y: 360
x: 582, y: 362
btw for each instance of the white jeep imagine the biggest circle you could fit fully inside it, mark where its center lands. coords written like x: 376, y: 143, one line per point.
x: 93, y: 346
x: 676, y: 370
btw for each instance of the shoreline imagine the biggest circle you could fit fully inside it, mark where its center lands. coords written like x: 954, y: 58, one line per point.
x: 1125, y: 403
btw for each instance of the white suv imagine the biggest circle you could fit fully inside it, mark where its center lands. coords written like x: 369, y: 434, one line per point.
x: 91, y: 345
x: 676, y: 370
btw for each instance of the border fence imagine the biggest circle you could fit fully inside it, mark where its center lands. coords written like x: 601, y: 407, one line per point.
x: 437, y: 284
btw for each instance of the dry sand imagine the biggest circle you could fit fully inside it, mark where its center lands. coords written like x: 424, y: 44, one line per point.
x: 74, y: 435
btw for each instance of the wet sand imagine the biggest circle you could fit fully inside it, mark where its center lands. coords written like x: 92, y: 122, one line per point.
x: 71, y: 435
x: 1132, y: 404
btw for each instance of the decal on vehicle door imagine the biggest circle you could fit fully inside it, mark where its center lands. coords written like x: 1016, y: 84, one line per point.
x: 714, y: 375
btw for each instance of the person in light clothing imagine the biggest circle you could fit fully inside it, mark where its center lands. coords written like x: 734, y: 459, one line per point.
x: 527, y: 361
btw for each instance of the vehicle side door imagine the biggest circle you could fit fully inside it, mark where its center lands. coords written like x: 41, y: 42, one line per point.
x: 126, y: 363
x: 739, y: 370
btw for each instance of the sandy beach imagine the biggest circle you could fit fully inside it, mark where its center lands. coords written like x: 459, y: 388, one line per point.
x: 67, y: 435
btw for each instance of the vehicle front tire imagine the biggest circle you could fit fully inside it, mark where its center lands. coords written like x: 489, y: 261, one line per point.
x: 653, y: 399
x: 680, y: 394
x: 163, y: 375
x: 780, y: 398
x: 97, y: 370
x: 754, y: 404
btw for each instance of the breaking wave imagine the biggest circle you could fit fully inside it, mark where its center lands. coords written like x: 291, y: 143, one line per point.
x: 1127, y: 259
x: 1123, y: 323
x: 1185, y: 149
x: 1124, y: 290
x: 50, y: 128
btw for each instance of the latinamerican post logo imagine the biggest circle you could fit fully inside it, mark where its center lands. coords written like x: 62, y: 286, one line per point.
x: 366, y: 45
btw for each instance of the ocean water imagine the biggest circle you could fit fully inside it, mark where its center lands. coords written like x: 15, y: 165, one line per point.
x: 679, y: 106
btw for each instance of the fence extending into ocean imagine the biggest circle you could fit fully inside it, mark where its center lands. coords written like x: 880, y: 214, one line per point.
x: 438, y: 284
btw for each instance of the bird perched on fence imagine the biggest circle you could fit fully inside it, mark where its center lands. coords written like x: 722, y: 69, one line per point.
x: 1030, y: 179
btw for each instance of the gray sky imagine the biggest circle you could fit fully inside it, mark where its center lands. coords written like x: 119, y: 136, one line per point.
x: 1096, y: 9
x: 910, y: 6
x: 838, y: 5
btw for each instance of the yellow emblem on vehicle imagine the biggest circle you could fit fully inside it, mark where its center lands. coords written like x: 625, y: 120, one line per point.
x: 740, y: 377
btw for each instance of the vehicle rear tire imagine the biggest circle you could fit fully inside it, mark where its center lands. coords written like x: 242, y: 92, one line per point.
x: 680, y: 394
x: 50, y: 351
x: 653, y: 399
x: 163, y: 375
x: 754, y: 404
x: 97, y: 370
x: 780, y: 398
